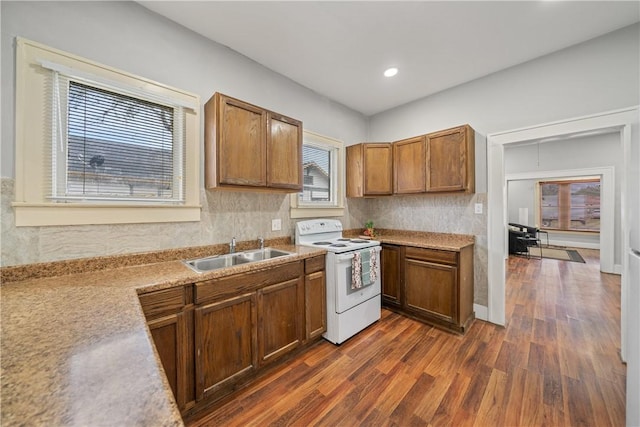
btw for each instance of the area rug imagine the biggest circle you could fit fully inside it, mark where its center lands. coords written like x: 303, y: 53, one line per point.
x: 555, y: 253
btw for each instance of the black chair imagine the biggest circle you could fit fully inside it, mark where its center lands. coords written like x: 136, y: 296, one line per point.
x: 522, y: 238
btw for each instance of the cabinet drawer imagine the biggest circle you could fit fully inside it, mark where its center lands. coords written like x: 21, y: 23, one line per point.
x: 433, y: 255
x: 162, y: 302
x: 225, y: 287
x: 311, y: 265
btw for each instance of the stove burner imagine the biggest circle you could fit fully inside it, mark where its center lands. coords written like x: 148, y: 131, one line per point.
x: 339, y: 245
x: 359, y: 241
x: 322, y: 243
x: 344, y: 240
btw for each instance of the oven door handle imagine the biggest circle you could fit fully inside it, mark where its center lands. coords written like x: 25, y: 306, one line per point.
x: 348, y: 256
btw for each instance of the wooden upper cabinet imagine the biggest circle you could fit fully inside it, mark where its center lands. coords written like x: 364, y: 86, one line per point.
x: 451, y: 160
x: 247, y: 146
x: 409, y: 165
x: 284, y: 152
x: 369, y: 170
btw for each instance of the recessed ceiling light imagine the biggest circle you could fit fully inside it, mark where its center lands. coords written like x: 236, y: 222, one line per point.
x: 390, y: 72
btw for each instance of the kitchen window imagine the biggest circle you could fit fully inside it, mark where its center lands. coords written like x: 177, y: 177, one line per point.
x: 323, y: 178
x: 570, y: 205
x: 95, y: 145
x: 114, y: 147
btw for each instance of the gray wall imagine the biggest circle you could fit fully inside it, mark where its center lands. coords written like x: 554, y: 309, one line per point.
x: 595, y: 76
x: 127, y: 36
x: 599, y: 75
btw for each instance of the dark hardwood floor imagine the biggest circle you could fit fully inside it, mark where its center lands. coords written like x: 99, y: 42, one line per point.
x: 556, y: 363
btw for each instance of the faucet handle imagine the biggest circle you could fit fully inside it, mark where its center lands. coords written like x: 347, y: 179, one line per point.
x: 261, y: 241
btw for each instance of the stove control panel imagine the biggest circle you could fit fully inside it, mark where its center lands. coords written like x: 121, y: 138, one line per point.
x: 318, y: 226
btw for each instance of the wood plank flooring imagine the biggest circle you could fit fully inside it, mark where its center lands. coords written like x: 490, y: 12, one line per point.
x: 556, y: 363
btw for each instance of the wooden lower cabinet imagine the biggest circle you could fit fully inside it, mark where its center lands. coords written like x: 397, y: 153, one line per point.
x: 216, y: 336
x: 431, y: 285
x: 431, y: 289
x: 390, y: 262
x: 315, y: 295
x: 280, y: 319
x: 226, y: 342
x: 169, y: 318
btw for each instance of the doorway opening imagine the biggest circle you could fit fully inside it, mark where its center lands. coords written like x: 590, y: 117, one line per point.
x: 620, y: 122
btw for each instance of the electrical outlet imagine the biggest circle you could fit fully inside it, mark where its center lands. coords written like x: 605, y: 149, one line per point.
x: 478, y: 208
x: 276, y: 224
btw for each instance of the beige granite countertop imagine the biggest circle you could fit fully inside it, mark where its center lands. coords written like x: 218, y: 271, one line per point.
x: 75, y: 348
x: 422, y: 239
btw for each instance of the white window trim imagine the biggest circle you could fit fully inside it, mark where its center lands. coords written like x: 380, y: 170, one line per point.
x: 32, y: 206
x: 299, y: 210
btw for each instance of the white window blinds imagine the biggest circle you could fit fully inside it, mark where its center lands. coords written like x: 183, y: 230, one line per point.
x: 111, y: 146
x: 319, y: 174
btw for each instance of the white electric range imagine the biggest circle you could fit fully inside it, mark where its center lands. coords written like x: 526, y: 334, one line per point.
x: 349, y: 309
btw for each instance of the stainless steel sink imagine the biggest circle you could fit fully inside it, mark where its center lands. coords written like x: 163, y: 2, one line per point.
x: 216, y: 262
x: 262, y: 254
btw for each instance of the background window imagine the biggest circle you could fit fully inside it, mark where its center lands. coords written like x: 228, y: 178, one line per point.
x: 570, y: 205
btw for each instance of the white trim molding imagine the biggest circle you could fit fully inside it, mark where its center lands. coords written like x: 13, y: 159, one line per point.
x: 482, y: 312
x: 615, y: 121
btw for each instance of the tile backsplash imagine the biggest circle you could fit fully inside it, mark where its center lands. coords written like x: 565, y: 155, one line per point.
x: 243, y: 215
x: 446, y: 213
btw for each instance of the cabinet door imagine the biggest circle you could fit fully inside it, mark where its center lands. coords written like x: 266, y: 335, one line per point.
x: 430, y: 289
x: 315, y: 304
x: 241, y: 158
x: 170, y: 338
x: 354, y: 170
x: 449, y: 158
x: 391, y: 274
x: 284, y: 152
x: 378, y: 169
x: 226, y: 342
x: 280, y: 317
x: 409, y: 165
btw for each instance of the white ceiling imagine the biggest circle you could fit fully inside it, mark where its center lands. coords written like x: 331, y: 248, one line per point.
x: 340, y: 49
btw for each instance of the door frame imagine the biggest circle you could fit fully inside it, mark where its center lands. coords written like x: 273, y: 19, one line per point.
x: 620, y: 121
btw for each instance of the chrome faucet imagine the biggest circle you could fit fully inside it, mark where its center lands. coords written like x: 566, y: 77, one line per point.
x: 232, y: 245
x: 261, y: 242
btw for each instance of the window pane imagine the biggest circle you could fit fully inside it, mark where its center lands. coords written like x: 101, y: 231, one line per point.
x: 549, y: 205
x: 118, y: 146
x: 570, y: 205
x: 585, y: 206
x: 317, y: 174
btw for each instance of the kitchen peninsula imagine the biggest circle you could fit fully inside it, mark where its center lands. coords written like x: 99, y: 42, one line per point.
x: 76, y: 349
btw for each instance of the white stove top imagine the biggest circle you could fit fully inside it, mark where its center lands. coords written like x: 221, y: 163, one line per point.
x: 327, y: 234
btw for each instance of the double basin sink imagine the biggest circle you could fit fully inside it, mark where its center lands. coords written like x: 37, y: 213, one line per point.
x: 202, y: 265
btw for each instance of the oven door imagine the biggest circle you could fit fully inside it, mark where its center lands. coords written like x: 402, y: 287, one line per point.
x: 346, y: 297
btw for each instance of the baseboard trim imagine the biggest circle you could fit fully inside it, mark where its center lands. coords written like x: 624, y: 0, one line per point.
x: 571, y: 244
x: 617, y: 269
x: 482, y: 312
